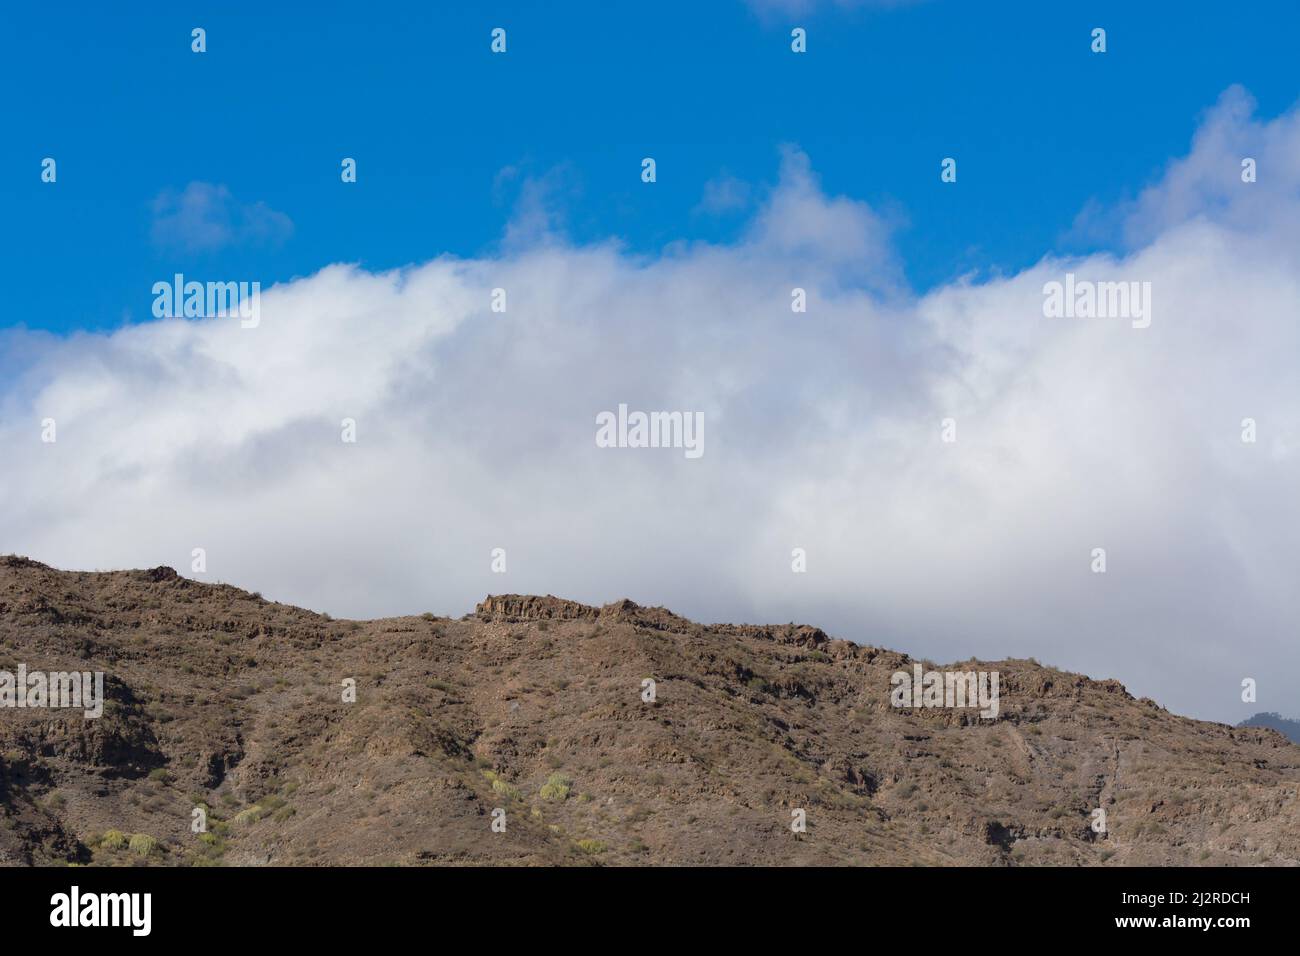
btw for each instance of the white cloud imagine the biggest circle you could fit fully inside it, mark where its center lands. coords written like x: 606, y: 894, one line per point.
x: 772, y: 8
x: 204, y: 217
x: 476, y: 430
x: 723, y: 195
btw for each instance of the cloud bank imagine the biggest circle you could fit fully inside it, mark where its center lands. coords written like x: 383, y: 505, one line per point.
x: 476, y: 430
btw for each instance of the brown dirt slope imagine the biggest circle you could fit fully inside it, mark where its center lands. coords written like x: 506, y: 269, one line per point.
x: 221, y: 700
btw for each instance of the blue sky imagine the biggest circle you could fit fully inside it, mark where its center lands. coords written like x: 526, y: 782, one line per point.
x: 446, y: 135
x: 776, y: 172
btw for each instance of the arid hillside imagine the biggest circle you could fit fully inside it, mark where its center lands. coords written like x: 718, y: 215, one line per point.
x: 535, y: 706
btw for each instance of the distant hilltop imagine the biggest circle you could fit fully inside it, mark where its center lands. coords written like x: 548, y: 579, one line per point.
x: 1288, y: 728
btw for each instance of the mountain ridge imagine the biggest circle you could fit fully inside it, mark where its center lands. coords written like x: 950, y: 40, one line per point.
x: 536, y: 706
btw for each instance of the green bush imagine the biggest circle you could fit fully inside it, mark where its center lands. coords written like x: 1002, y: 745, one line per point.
x: 556, y: 787
x: 209, y: 852
x: 113, y: 840
x: 591, y: 847
x: 143, y: 845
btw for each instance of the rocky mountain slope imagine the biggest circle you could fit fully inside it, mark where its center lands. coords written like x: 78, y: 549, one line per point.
x: 533, y: 706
